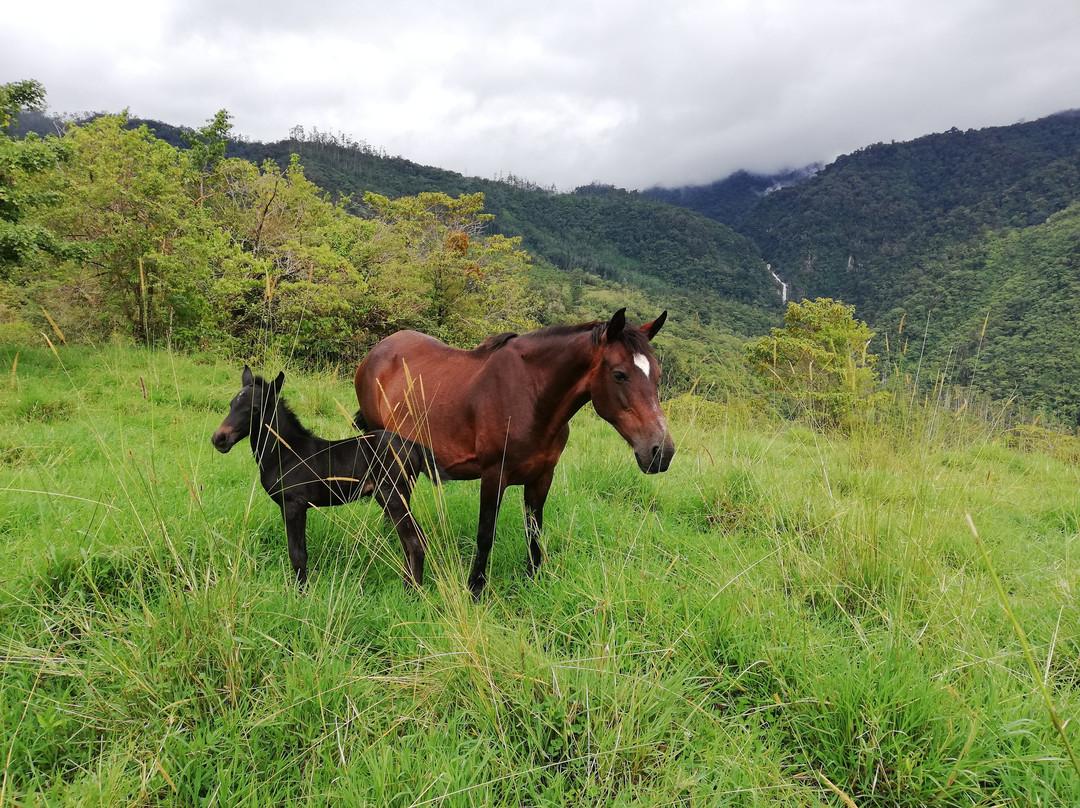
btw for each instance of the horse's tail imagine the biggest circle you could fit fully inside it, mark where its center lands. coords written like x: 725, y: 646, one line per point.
x: 430, y: 467
x: 360, y: 422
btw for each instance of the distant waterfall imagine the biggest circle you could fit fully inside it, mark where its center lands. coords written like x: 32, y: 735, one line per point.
x: 779, y: 280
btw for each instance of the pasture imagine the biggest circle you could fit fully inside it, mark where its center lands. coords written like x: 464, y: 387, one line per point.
x: 782, y: 618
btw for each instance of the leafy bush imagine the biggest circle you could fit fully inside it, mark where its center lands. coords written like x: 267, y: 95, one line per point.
x: 818, y: 362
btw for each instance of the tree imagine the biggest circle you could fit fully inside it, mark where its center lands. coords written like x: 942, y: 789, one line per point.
x: 465, y: 284
x: 819, y: 361
x: 206, y: 148
x: 20, y: 160
x: 148, y: 247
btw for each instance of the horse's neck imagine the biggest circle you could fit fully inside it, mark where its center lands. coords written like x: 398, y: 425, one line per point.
x: 564, y: 375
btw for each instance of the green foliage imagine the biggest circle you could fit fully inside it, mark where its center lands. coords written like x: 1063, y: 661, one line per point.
x: 467, y: 286
x: 819, y: 362
x: 204, y: 251
x: 20, y: 161
x: 148, y: 249
x: 16, y: 97
x: 206, y: 148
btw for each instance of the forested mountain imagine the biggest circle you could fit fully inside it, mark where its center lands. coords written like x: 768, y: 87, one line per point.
x: 857, y: 227
x: 967, y: 241
x: 971, y: 240
x: 730, y: 200
x: 612, y: 233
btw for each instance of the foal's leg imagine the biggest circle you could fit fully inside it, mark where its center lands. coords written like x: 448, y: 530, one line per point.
x: 535, y: 496
x: 394, y: 500
x: 491, y: 491
x: 295, y: 516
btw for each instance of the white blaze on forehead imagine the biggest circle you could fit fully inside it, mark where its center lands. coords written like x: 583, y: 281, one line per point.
x: 642, y: 361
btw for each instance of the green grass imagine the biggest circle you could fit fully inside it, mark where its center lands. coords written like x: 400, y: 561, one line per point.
x: 783, y: 618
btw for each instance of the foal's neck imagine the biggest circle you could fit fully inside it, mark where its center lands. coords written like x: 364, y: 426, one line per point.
x: 279, y: 429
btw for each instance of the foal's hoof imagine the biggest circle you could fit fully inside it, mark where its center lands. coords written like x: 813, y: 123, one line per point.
x: 477, y: 589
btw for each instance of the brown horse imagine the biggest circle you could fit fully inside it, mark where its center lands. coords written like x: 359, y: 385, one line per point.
x: 501, y: 412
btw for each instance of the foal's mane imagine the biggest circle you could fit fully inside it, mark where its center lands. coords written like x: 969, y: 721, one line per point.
x: 284, y: 411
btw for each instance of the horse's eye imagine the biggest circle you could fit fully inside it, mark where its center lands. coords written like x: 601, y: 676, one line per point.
x: 621, y: 377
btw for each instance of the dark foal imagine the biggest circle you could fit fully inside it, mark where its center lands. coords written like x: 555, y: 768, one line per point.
x: 299, y: 470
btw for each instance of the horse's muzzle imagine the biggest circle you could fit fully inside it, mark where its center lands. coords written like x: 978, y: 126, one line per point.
x: 224, y: 439
x: 656, y: 458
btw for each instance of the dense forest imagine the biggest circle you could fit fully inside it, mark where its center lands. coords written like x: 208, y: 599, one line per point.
x: 207, y: 242
x: 855, y: 227
x: 971, y: 239
x: 958, y: 249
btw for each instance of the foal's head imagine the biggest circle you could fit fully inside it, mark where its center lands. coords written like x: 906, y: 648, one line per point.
x: 624, y: 389
x: 247, y: 408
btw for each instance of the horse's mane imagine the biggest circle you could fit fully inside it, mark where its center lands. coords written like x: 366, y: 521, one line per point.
x: 632, y: 337
x: 285, y: 413
x: 495, y: 342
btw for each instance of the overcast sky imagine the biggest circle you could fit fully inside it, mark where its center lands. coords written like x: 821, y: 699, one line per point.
x: 631, y: 92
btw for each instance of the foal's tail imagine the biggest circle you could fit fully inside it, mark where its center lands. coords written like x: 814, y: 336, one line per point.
x: 411, y: 457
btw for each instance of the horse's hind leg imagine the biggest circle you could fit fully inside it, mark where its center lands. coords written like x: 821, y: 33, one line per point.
x: 295, y: 516
x: 395, y: 504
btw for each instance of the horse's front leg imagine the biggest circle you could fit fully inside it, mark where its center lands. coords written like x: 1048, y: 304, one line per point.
x: 492, y: 486
x: 395, y: 504
x: 536, y: 494
x: 295, y: 515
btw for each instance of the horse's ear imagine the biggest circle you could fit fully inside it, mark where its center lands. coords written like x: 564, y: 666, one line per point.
x: 652, y: 328
x: 280, y: 380
x: 246, y: 378
x: 615, y: 325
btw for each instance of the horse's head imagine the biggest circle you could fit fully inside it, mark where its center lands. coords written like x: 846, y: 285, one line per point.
x: 247, y: 407
x: 623, y: 389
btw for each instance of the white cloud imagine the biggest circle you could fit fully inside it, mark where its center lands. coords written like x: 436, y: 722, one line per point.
x: 633, y: 93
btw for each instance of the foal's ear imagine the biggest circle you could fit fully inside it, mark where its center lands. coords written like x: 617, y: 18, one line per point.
x: 280, y: 380
x: 246, y: 378
x: 615, y: 325
x: 652, y: 328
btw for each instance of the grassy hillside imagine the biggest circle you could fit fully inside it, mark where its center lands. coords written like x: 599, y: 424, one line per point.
x: 783, y: 618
